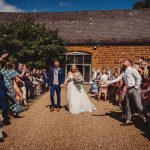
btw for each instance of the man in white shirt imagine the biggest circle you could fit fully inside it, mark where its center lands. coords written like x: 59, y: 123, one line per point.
x: 132, y: 80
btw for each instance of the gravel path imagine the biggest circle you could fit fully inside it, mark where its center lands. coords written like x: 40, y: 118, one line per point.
x: 41, y: 130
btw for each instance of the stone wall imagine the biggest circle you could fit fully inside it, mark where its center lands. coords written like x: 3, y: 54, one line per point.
x: 110, y: 55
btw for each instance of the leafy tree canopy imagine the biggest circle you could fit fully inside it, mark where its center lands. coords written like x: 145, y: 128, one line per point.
x: 29, y: 42
x: 142, y: 4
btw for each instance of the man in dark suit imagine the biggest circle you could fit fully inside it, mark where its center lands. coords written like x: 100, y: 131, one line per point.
x: 56, y: 78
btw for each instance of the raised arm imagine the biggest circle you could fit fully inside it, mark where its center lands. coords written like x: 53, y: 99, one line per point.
x: 3, y: 56
x: 115, y: 80
x: 20, y: 80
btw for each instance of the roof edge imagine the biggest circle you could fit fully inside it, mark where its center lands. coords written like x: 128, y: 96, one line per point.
x: 109, y: 44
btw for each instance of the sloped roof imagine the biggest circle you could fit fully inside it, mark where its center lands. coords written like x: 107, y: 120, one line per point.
x: 124, y: 26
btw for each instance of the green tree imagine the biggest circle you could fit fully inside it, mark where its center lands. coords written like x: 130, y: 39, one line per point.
x: 142, y: 4
x: 29, y: 42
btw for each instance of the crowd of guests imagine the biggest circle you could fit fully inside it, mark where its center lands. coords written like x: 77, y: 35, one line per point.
x: 127, y: 85
x: 19, y: 85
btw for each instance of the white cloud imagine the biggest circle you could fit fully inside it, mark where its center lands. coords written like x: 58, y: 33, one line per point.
x: 4, y: 7
x: 64, y: 4
x: 35, y: 10
x: 41, y: 10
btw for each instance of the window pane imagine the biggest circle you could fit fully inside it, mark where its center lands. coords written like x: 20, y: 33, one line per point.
x: 68, y: 68
x: 87, y: 59
x: 86, y: 73
x: 80, y: 68
x: 70, y: 59
x: 79, y: 59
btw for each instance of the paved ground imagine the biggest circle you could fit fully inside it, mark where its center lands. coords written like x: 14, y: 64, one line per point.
x: 42, y: 130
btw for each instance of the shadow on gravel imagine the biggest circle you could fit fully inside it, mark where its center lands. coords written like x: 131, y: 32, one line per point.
x: 138, y: 123
x: 99, y: 115
x: 61, y: 107
x: 143, y: 127
x: 48, y: 106
x: 114, y: 115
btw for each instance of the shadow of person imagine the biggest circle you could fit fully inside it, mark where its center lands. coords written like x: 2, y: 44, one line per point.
x: 138, y: 123
x: 143, y: 127
x: 115, y: 115
x: 49, y: 106
x: 102, y: 115
x: 66, y: 108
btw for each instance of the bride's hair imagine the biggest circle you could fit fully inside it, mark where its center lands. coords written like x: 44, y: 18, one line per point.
x: 74, y: 66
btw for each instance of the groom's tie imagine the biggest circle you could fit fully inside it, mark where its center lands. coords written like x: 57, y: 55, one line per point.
x: 55, y: 72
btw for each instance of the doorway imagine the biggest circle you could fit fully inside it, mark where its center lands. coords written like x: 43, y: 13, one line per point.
x: 83, y: 62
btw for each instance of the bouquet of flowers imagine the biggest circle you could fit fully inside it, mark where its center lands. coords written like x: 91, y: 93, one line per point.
x: 77, y: 79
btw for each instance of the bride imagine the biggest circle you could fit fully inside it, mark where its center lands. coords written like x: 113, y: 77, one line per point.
x: 77, y: 99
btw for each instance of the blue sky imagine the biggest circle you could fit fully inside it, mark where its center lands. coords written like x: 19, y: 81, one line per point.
x: 63, y: 5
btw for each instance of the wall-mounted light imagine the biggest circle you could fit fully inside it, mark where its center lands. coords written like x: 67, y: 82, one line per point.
x: 95, y: 47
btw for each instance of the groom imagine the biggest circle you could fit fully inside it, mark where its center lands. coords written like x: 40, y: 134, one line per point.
x: 56, y: 79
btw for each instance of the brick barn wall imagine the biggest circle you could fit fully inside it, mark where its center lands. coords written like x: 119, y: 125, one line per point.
x: 110, y: 55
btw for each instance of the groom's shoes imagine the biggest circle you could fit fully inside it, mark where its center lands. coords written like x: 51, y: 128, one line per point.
x: 52, y: 109
x: 58, y: 109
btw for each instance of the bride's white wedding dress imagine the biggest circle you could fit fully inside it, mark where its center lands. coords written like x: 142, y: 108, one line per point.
x: 77, y: 99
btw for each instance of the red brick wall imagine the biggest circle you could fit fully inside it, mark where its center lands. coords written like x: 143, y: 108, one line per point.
x: 110, y: 55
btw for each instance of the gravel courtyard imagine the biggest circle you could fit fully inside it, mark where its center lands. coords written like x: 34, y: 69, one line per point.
x: 40, y: 129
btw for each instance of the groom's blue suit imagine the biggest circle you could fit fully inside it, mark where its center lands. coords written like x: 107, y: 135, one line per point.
x: 55, y: 87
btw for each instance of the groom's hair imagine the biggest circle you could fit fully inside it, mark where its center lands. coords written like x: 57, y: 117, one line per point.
x: 55, y: 60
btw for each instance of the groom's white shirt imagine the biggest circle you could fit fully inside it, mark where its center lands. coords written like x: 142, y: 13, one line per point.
x: 55, y: 82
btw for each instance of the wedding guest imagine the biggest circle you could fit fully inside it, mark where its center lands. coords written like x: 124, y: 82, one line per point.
x: 4, y: 103
x: 39, y: 79
x: 117, y: 72
x: 121, y: 93
x: 21, y: 70
x: 109, y: 72
x: 103, y: 88
x: 94, y: 87
x: 29, y: 86
x: 45, y: 78
x: 34, y: 83
x: 9, y: 75
x: 1, y: 132
x: 146, y: 89
x: 99, y: 74
x: 34, y: 72
x: 18, y: 93
x: 132, y: 80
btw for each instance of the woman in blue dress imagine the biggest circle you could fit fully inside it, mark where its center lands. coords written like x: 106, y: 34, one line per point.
x: 94, y: 87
